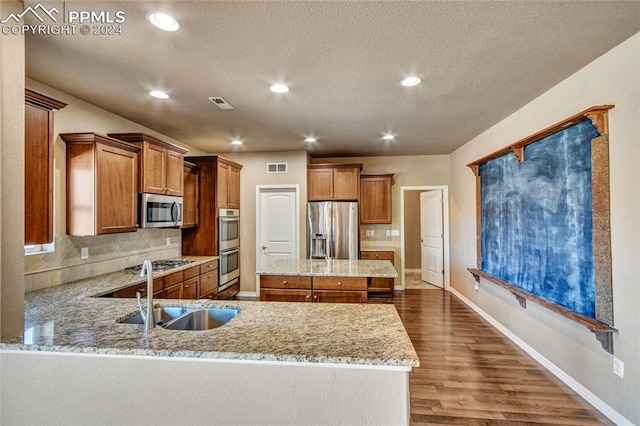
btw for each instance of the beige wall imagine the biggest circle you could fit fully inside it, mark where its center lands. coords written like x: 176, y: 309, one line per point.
x: 611, y: 79
x: 107, y: 253
x: 11, y: 178
x: 254, y: 173
x: 412, y: 229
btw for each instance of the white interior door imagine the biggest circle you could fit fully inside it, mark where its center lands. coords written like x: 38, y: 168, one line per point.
x: 277, y: 236
x: 431, y: 238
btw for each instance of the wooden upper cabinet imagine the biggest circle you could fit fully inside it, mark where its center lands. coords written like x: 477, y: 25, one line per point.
x: 190, y: 202
x: 161, y: 164
x: 333, y: 182
x: 102, y: 178
x: 228, y: 185
x: 375, y: 198
x: 38, y: 167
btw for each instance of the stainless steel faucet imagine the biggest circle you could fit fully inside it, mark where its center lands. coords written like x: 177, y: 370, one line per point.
x: 147, y: 270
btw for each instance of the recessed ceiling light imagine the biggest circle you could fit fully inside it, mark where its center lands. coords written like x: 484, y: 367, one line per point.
x: 159, y: 94
x: 279, y: 88
x: 388, y: 137
x: 163, y: 21
x: 236, y: 142
x: 310, y: 139
x: 411, y: 81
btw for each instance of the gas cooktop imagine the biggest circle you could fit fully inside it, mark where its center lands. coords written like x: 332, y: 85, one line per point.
x: 159, y: 265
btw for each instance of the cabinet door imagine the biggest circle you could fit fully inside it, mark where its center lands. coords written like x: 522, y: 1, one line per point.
x: 375, y: 200
x: 116, y: 195
x: 154, y: 169
x: 279, y: 295
x: 174, y: 174
x: 208, y: 282
x: 222, y: 185
x: 190, y: 288
x: 331, y: 296
x: 346, y: 183
x: 38, y: 175
x: 234, y: 188
x: 190, y: 200
x: 319, y: 184
x: 173, y: 292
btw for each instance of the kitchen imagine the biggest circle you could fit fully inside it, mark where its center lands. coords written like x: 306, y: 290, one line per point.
x: 417, y: 170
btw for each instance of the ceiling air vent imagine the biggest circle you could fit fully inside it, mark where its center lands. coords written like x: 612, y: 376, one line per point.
x: 220, y: 103
x: 276, y: 167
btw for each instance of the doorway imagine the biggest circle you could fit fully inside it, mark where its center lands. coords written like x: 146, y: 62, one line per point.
x: 277, y: 224
x: 420, y: 260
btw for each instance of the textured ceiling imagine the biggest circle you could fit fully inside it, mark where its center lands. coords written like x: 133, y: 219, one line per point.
x: 480, y: 61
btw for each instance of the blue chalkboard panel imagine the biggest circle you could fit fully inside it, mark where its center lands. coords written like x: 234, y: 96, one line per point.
x: 536, y: 219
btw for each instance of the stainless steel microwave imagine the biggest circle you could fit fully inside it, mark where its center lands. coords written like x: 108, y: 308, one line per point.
x: 159, y: 211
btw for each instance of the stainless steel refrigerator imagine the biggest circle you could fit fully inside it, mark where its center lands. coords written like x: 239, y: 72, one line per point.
x: 332, y: 230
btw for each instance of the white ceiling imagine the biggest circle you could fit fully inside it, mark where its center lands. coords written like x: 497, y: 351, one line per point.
x: 480, y: 61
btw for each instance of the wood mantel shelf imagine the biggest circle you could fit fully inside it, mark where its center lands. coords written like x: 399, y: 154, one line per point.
x: 597, y: 115
x: 603, y: 332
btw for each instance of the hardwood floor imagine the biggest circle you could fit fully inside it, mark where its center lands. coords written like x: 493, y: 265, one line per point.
x: 471, y: 374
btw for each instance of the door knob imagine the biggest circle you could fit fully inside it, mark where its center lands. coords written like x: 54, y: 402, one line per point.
x: 264, y: 247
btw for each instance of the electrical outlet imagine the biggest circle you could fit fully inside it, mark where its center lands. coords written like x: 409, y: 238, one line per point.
x: 395, y: 232
x: 84, y: 253
x: 373, y: 233
x: 388, y: 233
x: 618, y: 367
x: 168, y: 241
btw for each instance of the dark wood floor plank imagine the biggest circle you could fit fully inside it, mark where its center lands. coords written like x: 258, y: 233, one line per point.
x: 471, y: 374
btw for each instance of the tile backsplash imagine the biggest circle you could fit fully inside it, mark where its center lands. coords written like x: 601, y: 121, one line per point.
x: 107, y: 253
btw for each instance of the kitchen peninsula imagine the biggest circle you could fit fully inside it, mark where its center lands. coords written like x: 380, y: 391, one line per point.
x: 326, y: 280
x: 334, y: 363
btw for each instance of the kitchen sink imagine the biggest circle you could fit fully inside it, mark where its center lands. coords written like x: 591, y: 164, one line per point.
x: 187, y: 319
x: 203, y: 319
x: 161, y: 316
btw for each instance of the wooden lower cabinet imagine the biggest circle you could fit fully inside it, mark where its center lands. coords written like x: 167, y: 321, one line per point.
x: 173, y: 292
x: 282, y: 288
x: 379, y: 285
x: 190, y: 288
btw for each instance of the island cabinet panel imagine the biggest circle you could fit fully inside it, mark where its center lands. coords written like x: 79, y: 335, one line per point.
x: 284, y: 288
x: 38, y: 167
x: 285, y: 282
x: 375, y: 198
x: 379, y: 285
x: 281, y: 295
x: 332, y: 296
x: 326, y: 182
x: 161, y: 164
x: 102, y: 176
x: 340, y: 283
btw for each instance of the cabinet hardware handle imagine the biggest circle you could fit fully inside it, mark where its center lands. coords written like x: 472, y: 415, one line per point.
x: 284, y: 282
x: 307, y: 298
x: 339, y: 283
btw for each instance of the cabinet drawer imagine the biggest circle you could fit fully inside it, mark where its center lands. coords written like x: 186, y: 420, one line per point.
x: 190, y: 288
x: 340, y: 283
x: 330, y: 296
x: 192, y: 272
x: 229, y: 292
x: 208, y: 267
x: 211, y: 296
x: 285, y: 281
x: 377, y: 255
x: 174, y: 278
x: 281, y: 295
x: 208, y: 282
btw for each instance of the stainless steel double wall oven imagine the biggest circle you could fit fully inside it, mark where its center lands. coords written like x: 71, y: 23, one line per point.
x: 228, y: 247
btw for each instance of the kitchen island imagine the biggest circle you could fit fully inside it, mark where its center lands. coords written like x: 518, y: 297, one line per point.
x: 321, y: 280
x: 277, y: 363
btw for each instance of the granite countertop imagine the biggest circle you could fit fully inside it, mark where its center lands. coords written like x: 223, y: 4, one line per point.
x: 375, y: 248
x: 67, y: 318
x: 331, y: 268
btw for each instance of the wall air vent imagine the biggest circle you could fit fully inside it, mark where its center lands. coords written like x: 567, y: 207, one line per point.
x: 220, y: 103
x: 276, y: 167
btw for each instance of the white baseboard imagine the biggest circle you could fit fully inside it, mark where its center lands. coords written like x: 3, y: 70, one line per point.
x: 585, y: 393
x: 247, y: 294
